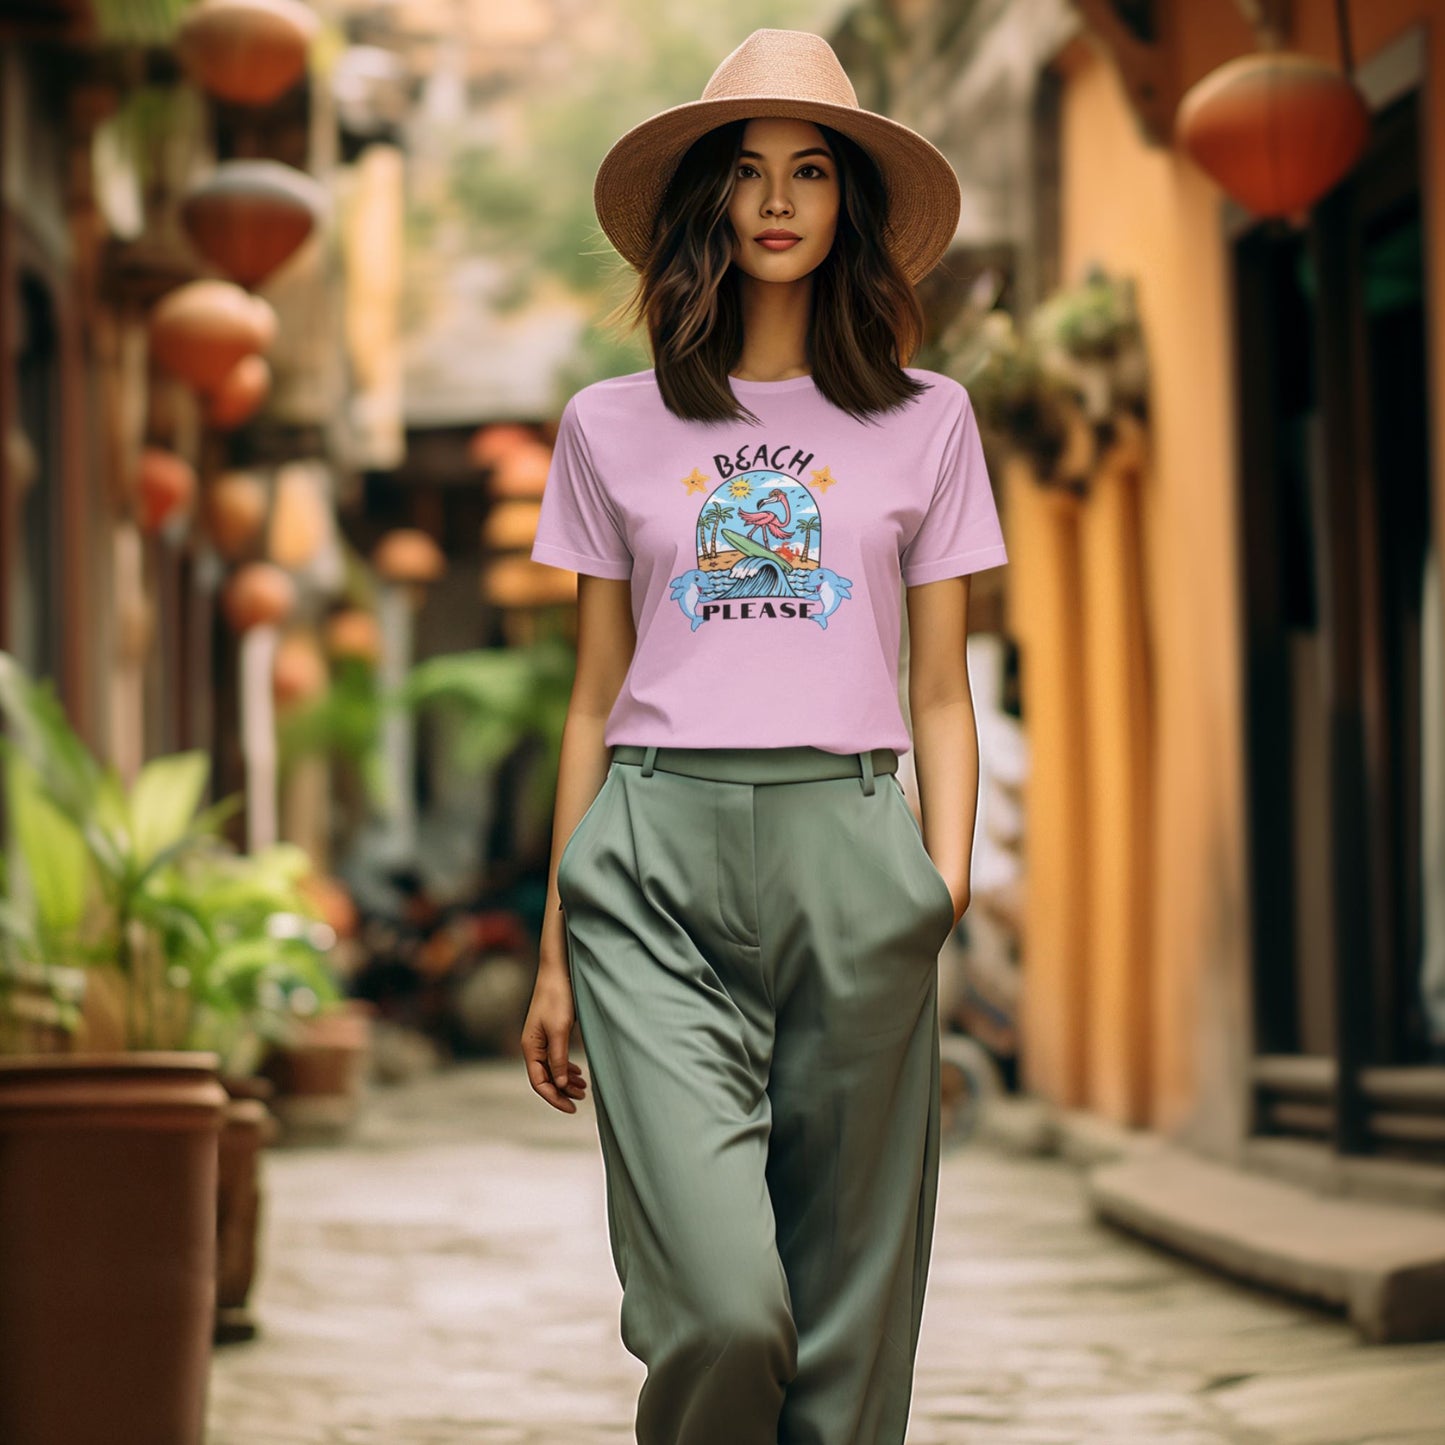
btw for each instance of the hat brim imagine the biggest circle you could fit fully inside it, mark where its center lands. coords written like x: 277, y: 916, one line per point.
x: 924, y: 198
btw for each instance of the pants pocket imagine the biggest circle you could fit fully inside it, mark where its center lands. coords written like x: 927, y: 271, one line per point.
x: 583, y: 824
x: 925, y: 860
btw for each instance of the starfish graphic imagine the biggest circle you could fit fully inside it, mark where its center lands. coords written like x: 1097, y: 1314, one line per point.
x: 823, y: 480
x: 694, y: 482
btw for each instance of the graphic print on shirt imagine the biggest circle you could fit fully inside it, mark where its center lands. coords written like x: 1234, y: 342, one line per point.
x: 759, y: 555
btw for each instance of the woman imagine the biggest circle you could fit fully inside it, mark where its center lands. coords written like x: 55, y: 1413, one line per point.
x: 748, y: 918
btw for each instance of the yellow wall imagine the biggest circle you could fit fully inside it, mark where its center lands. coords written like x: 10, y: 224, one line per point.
x: 1148, y: 212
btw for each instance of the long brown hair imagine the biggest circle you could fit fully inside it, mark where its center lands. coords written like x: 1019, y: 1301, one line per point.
x: 866, y: 322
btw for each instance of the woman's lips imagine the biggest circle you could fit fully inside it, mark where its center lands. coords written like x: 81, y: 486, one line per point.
x: 779, y: 243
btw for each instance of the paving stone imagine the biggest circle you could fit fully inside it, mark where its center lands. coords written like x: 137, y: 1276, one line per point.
x: 443, y: 1277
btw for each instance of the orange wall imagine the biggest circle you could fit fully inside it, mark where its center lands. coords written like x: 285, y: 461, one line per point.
x: 1148, y: 212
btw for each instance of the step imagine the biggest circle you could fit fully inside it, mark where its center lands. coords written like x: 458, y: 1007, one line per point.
x: 1383, y: 1264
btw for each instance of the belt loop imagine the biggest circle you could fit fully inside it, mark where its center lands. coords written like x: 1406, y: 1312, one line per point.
x: 865, y: 762
x: 648, y: 758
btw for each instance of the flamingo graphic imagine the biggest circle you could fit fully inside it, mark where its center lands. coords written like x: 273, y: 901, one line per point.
x: 768, y: 522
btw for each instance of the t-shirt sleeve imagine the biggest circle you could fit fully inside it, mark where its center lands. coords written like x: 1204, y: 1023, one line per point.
x: 577, y: 525
x: 960, y: 532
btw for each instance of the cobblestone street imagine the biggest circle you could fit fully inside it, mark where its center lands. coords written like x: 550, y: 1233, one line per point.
x: 444, y: 1279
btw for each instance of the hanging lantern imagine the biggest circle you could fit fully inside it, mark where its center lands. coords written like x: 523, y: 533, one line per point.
x: 258, y: 595
x: 353, y: 632
x: 521, y: 582
x: 510, y: 526
x: 1277, y: 130
x: 240, y: 394
x: 300, y: 516
x: 299, y: 672
x: 249, y: 216
x: 165, y: 485
x: 408, y: 555
x: 201, y: 331
x: 522, y: 470
x: 489, y: 444
x: 246, y: 51
x: 236, y: 504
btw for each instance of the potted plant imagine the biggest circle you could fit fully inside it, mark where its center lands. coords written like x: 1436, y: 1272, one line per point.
x: 109, y: 1194
x: 249, y: 938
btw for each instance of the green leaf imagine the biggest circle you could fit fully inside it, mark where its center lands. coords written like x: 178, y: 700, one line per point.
x: 164, y: 801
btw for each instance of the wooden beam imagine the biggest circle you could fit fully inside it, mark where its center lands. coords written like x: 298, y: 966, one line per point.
x: 1148, y: 69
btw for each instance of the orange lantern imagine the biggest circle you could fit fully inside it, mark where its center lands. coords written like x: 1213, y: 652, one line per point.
x: 236, y: 505
x: 489, y: 444
x: 511, y: 526
x: 522, y: 470
x: 408, y: 555
x: 354, y: 633
x: 250, y: 216
x: 258, y: 595
x: 521, y: 582
x: 240, y: 394
x: 200, y: 331
x: 335, y: 902
x: 298, y: 673
x: 246, y: 51
x: 1276, y: 130
x: 165, y: 485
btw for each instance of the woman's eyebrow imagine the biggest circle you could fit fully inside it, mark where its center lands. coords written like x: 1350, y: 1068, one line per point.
x: 797, y: 155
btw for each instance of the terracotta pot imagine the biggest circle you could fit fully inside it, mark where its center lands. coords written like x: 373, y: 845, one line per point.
x: 251, y: 216
x: 108, y: 1270
x: 249, y: 1127
x: 246, y: 51
x: 241, y: 393
x: 1275, y: 129
x: 320, y: 1078
x: 201, y: 331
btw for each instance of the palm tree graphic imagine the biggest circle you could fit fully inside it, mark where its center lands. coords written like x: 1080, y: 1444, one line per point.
x: 807, y: 526
x: 714, y: 514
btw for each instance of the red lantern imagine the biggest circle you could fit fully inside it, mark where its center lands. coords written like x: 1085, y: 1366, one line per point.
x: 490, y: 444
x: 240, y: 394
x: 236, y: 512
x: 247, y: 51
x: 250, y: 216
x: 202, y: 330
x: 258, y: 595
x: 1276, y: 130
x: 165, y: 485
x: 522, y: 471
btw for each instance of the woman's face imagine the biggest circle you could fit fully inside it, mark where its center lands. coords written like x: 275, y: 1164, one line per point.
x: 786, y: 180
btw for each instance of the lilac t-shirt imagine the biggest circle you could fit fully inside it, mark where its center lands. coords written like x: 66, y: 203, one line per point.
x: 766, y: 561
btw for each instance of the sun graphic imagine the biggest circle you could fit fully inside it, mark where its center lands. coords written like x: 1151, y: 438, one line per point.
x: 741, y: 487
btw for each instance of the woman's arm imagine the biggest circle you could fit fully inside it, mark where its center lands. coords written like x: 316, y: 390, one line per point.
x: 945, y: 734
x: 605, y: 641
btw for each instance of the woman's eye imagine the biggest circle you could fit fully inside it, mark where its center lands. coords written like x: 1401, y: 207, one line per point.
x: 809, y: 167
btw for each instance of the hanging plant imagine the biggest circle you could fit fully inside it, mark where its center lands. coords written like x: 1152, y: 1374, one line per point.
x: 1061, y: 389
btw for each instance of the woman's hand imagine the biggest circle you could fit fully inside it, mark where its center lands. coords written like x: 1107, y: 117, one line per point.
x: 548, y: 1028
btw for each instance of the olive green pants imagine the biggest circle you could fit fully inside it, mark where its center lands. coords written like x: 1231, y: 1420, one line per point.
x: 753, y: 948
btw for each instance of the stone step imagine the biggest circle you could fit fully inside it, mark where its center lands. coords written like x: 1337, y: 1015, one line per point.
x: 1384, y: 1265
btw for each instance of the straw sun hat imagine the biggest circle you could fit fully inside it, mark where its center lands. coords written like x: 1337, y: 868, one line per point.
x: 789, y: 73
